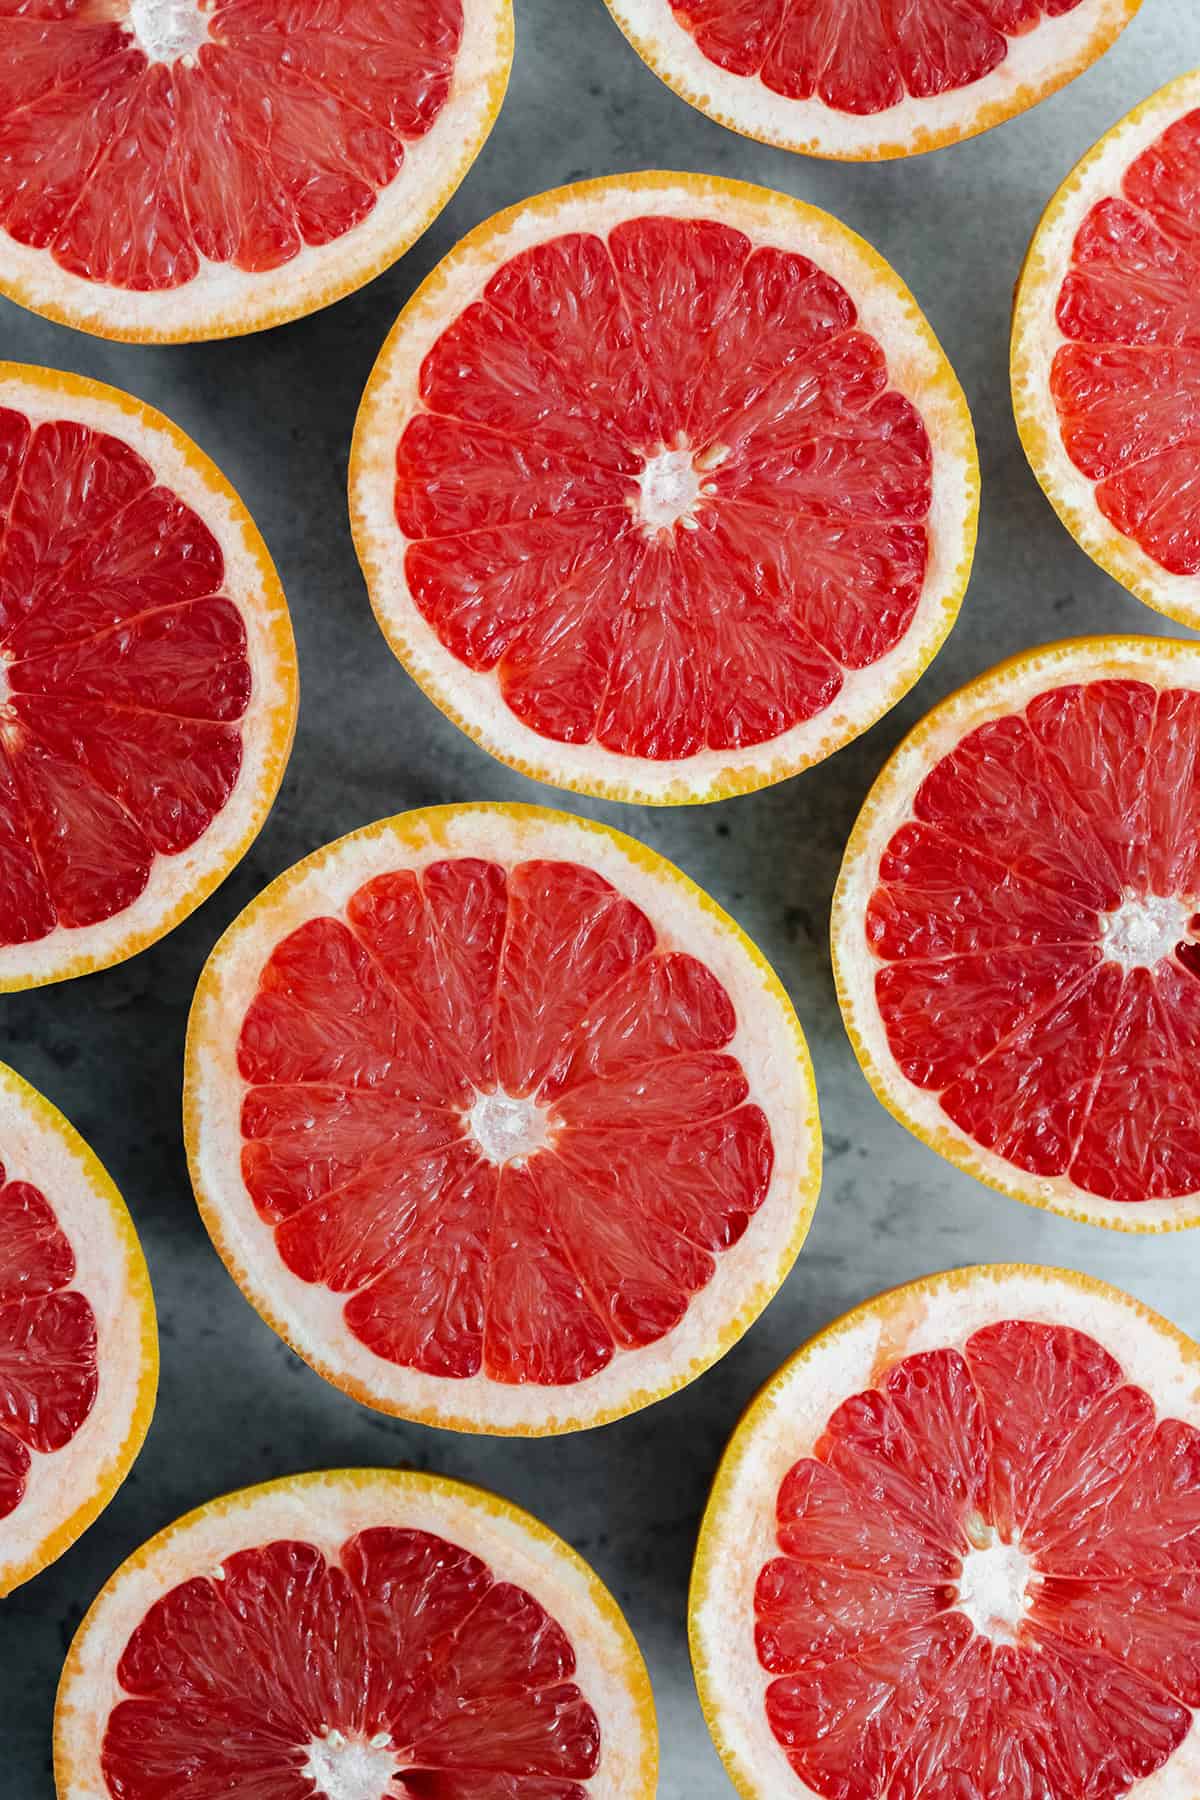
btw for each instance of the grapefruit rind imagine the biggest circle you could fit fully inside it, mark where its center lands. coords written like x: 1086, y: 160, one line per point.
x: 769, y: 1043
x: 177, y: 884
x: 1036, y: 338
x: 1002, y: 690
x: 326, y: 1508
x: 1037, y: 65
x: 917, y: 367
x: 789, y: 1413
x: 69, y: 1488
x: 222, y: 301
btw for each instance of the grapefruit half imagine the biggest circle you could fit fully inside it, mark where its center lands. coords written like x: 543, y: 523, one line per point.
x: 498, y: 1120
x: 663, y: 488
x: 182, y: 169
x: 1016, y: 931
x: 147, y: 676
x: 361, y: 1635
x: 951, y: 1551
x: 1106, y: 351
x: 868, y: 79
x: 78, y: 1342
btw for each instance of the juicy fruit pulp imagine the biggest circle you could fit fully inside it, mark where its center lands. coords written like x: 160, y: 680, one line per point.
x: 986, y: 1580
x: 1126, y: 385
x: 401, y: 1667
x: 124, y: 676
x: 142, y: 138
x: 48, y: 1376
x: 861, y: 56
x: 661, y: 487
x: 1038, y: 918
x: 487, y: 1105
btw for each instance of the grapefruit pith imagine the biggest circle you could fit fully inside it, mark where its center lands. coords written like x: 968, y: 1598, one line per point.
x: 663, y: 488
x: 498, y: 1119
x: 1015, y: 931
x: 867, y: 79
x: 147, y: 676
x: 951, y: 1551
x: 78, y: 1342
x: 1106, y: 351
x: 180, y: 169
x: 359, y: 1635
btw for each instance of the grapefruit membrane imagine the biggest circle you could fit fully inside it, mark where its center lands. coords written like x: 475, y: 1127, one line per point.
x: 1106, y: 351
x: 498, y: 1120
x: 366, y: 1634
x: 868, y: 79
x: 951, y: 1550
x: 663, y: 488
x: 1015, y: 931
x: 78, y: 1341
x: 181, y: 169
x: 147, y: 676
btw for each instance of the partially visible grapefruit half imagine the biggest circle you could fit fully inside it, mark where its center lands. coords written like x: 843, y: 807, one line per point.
x: 498, y: 1120
x: 78, y: 1341
x: 951, y: 1553
x: 360, y: 1635
x: 1016, y: 931
x: 663, y: 488
x: 868, y: 79
x: 1106, y: 351
x: 182, y: 169
x: 147, y: 676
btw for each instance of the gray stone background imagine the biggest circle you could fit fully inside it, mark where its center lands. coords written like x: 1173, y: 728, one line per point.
x: 276, y: 411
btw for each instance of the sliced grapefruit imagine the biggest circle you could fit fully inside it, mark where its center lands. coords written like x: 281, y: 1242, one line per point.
x: 951, y: 1552
x: 868, y: 79
x: 147, y: 676
x: 498, y: 1119
x: 663, y: 488
x: 78, y: 1343
x: 1106, y: 351
x: 1016, y: 931
x: 360, y: 1635
x: 182, y: 169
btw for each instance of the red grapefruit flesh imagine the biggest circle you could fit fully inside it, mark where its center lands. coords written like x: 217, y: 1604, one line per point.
x: 78, y: 1347
x: 147, y: 676
x: 1017, y: 928
x: 407, y: 1637
x: 976, y: 1577
x: 173, y: 169
x: 662, y: 487
x: 868, y: 78
x: 1106, y: 351
x: 498, y: 1121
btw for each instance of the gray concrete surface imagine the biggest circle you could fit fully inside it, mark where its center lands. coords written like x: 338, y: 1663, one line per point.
x: 276, y: 412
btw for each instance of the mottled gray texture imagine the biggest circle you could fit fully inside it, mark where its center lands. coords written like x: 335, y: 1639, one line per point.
x: 276, y: 412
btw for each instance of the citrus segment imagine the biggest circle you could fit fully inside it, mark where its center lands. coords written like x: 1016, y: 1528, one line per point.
x: 662, y: 487
x: 1015, y: 930
x: 353, y: 1636
x: 1106, y: 351
x: 868, y: 78
x: 147, y: 676
x: 78, y: 1348
x: 964, y: 1518
x: 497, y: 1119
x: 174, y: 170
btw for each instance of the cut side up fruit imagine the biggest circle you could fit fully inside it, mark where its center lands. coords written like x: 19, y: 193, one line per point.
x: 498, y: 1119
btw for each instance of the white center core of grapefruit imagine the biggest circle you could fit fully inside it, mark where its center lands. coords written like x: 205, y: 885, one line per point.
x: 1143, y: 930
x: 508, y: 1130
x: 343, y: 1768
x: 670, y: 491
x: 993, y: 1590
x: 167, y: 30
